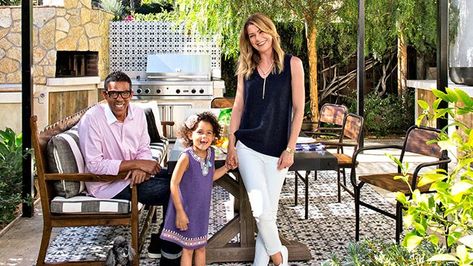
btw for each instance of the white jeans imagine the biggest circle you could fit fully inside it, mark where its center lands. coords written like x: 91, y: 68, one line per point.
x: 263, y: 183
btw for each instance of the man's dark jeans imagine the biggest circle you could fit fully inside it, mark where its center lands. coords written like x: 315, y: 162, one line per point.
x: 154, y: 191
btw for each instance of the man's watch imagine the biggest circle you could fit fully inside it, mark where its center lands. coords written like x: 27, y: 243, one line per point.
x: 290, y: 150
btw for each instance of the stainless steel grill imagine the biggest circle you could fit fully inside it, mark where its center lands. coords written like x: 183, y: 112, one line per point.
x: 178, y: 82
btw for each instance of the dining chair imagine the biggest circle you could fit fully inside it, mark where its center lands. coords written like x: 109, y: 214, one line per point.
x: 417, y: 143
x: 330, y: 121
x: 222, y: 102
x: 351, y: 135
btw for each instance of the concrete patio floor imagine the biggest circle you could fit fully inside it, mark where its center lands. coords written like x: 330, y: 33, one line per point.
x: 19, y: 245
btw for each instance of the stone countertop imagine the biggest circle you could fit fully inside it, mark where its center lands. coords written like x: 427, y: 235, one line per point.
x: 432, y: 84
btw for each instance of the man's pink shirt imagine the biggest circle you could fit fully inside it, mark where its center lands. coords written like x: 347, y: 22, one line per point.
x: 105, y: 143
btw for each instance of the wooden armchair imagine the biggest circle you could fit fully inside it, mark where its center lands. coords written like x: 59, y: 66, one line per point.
x: 415, y: 142
x: 351, y: 134
x: 54, y: 209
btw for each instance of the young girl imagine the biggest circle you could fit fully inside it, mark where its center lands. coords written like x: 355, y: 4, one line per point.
x: 187, y: 217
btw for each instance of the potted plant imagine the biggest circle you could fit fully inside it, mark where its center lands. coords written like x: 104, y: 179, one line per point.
x: 10, y: 175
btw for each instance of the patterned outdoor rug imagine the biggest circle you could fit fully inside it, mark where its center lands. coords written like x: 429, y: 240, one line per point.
x: 328, y: 230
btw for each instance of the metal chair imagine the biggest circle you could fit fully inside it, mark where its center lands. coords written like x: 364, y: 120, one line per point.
x: 222, y: 102
x: 352, y: 129
x: 416, y: 142
x: 330, y: 121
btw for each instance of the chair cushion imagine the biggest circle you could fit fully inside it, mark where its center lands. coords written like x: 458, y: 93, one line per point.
x: 387, y: 181
x: 64, y: 156
x: 90, y: 205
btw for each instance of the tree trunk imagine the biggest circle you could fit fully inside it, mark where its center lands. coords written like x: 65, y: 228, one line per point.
x: 311, y: 34
x: 402, y: 65
x: 420, y: 71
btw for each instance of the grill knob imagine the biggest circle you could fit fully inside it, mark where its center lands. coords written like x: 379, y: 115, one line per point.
x: 193, y: 91
x: 201, y: 91
x: 178, y: 91
x: 138, y: 91
x: 147, y: 91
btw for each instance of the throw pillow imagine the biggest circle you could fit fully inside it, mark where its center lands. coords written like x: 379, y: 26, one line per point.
x: 64, y: 156
x: 152, y: 128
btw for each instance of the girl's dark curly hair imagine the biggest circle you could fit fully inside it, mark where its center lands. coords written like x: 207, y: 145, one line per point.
x: 193, y: 121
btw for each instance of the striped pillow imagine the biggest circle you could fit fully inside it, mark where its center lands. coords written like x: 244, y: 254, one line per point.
x: 64, y: 156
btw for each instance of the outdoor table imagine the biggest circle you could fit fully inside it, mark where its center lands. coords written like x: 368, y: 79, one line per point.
x: 310, y: 161
x: 219, y: 249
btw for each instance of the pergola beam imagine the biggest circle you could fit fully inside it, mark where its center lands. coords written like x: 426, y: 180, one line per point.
x: 442, y: 54
x: 360, y: 62
x: 26, y: 96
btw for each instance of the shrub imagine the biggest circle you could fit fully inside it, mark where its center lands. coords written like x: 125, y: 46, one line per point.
x: 10, y: 174
x: 113, y: 6
x: 10, y: 2
x: 387, y: 115
x: 445, y: 218
x: 370, y: 253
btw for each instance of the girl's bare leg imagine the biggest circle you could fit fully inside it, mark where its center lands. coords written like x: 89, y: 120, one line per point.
x: 186, y: 257
x: 200, y: 257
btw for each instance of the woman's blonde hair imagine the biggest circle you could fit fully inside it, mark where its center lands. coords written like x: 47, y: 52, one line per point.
x: 249, y: 57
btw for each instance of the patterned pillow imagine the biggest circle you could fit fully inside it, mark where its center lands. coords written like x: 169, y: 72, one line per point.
x: 64, y: 156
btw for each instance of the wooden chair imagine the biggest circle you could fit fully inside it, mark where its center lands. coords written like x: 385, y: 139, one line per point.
x: 330, y: 121
x: 222, y: 102
x: 415, y: 142
x: 352, y: 129
x: 47, y: 192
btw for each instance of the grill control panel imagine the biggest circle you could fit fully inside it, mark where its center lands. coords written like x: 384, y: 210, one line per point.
x: 172, y: 90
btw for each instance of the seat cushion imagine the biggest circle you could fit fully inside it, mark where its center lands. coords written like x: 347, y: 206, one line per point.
x: 90, y: 205
x: 386, y: 181
x: 64, y: 156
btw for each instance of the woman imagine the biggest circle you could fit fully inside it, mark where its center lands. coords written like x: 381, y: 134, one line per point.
x: 266, y: 120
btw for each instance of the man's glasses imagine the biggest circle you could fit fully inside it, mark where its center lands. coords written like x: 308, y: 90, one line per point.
x: 114, y: 94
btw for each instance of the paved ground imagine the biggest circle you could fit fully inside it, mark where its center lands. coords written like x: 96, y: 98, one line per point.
x: 20, y: 244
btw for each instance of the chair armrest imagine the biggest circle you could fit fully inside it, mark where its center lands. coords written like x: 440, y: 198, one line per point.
x: 337, y: 144
x: 423, y: 165
x: 87, y: 177
x: 376, y: 147
x: 164, y: 124
x: 319, y: 134
x: 367, y: 148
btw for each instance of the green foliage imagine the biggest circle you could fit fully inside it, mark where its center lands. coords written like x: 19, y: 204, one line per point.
x: 10, y: 174
x: 369, y: 253
x: 113, y: 6
x: 10, y: 2
x: 445, y: 218
x: 378, y: 110
x: 154, y: 7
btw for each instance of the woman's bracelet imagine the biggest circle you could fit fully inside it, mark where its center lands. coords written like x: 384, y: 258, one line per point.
x: 290, y: 150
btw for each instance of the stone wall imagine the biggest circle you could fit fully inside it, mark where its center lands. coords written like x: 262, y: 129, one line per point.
x: 74, y: 27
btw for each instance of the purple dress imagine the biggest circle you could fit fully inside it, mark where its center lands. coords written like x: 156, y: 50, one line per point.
x: 195, y: 190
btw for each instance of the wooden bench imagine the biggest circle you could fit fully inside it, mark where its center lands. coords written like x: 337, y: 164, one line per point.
x: 55, y: 214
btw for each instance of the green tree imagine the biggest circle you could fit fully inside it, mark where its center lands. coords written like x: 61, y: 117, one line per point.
x: 226, y: 18
x: 416, y: 22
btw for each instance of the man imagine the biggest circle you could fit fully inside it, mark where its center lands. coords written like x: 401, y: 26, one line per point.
x: 114, y: 138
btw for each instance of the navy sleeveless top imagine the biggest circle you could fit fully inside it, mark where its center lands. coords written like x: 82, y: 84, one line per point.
x: 266, y: 122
